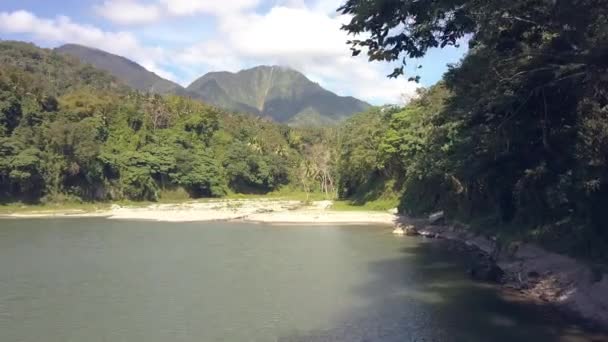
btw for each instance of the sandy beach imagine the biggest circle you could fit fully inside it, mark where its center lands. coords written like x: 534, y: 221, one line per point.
x: 249, y: 210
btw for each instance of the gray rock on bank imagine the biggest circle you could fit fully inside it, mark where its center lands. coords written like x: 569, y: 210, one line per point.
x: 550, y: 277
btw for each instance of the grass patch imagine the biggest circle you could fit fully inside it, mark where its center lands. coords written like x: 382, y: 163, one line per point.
x: 21, y: 208
x: 378, y: 194
x: 167, y: 196
x: 377, y: 205
x: 284, y: 194
x: 174, y: 195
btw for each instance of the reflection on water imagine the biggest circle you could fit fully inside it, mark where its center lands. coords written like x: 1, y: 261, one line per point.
x: 100, y: 280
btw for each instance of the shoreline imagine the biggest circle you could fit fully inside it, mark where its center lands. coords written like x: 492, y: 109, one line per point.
x: 570, y: 286
x: 271, y: 211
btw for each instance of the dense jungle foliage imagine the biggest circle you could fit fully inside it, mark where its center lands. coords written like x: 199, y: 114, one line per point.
x: 71, y: 132
x: 515, y: 137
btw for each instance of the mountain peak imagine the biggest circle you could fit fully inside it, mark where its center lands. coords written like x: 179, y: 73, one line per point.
x: 270, y: 67
x: 275, y: 91
x: 280, y: 92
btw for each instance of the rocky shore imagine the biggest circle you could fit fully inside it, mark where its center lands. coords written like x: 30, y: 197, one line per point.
x: 570, y: 285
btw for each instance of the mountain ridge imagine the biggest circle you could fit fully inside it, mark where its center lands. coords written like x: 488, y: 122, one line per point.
x: 278, y: 92
x: 126, y: 70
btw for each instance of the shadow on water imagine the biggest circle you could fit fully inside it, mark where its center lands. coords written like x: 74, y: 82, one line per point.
x: 424, y: 296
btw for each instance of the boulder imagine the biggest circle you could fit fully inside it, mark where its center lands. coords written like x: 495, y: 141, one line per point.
x: 430, y: 235
x: 437, y: 217
x: 410, y: 230
x: 483, y: 268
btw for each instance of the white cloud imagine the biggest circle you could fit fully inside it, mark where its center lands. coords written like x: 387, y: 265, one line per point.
x: 303, y: 35
x: 63, y: 30
x: 307, y: 39
x: 327, y: 6
x: 288, y: 33
x: 359, y: 78
x: 152, y: 66
x: 129, y: 12
x: 215, y: 55
x: 216, y: 7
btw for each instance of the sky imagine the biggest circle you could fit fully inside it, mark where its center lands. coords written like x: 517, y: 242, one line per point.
x: 183, y: 39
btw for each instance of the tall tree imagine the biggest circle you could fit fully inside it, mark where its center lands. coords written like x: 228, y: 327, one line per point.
x: 520, y: 138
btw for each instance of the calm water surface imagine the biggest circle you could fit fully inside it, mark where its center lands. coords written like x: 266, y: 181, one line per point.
x: 100, y: 280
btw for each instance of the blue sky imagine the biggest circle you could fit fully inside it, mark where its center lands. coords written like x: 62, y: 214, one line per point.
x: 183, y: 39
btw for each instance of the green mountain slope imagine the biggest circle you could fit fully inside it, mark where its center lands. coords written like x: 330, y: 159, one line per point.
x: 49, y: 73
x: 129, y: 72
x: 283, y: 94
x: 280, y: 93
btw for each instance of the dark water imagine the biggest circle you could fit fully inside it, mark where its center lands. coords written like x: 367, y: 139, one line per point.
x: 100, y: 280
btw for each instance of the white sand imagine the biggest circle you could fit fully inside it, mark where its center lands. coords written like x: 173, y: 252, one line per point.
x: 250, y: 210
x: 308, y: 216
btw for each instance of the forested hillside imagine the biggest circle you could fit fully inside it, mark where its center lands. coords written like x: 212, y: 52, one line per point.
x: 71, y: 132
x: 515, y: 138
x: 280, y: 93
x: 129, y: 72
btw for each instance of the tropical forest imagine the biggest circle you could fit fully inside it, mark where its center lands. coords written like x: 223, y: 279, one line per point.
x: 511, y: 143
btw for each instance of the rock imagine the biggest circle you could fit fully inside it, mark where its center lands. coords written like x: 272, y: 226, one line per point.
x: 458, y: 226
x: 483, y: 266
x: 429, y: 235
x: 486, y: 271
x: 436, y: 217
x: 410, y: 230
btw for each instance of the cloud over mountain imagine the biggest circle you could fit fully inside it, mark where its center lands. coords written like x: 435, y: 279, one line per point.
x: 214, y: 35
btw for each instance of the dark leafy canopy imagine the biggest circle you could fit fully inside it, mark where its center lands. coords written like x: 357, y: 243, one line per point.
x: 69, y: 131
x: 517, y: 136
x: 409, y: 28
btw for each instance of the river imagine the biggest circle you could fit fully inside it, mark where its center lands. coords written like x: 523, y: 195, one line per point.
x: 107, y: 280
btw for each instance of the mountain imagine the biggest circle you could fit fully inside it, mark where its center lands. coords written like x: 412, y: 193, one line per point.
x: 48, y: 74
x: 280, y: 93
x: 127, y: 71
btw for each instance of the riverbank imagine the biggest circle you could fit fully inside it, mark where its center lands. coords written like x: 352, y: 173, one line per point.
x: 569, y: 285
x: 256, y: 210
